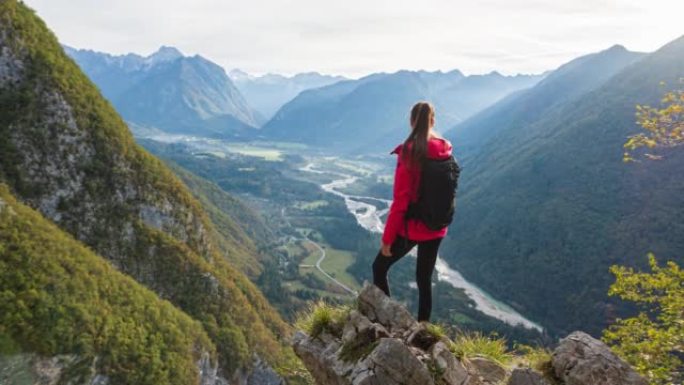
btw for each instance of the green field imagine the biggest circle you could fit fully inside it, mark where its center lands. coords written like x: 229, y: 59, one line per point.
x: 266, y: 153
x: 335, y: 264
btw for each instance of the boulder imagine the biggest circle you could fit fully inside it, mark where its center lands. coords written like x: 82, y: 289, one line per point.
x: 453, y: 372
x: 486, y: 371
x: 378, y: 307
x: 581, y: 359
x: 394, y: 363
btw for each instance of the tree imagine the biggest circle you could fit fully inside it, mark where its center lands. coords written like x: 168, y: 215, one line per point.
x: 664, y: 127
x: 652, y: 341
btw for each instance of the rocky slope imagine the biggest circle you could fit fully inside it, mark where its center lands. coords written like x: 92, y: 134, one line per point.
x: 380, y: 343
x: 65, y: 152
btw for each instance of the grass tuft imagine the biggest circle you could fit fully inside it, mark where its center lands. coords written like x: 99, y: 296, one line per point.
x: 470, y: 345
x: 436, y: 330
x: 320, y: 317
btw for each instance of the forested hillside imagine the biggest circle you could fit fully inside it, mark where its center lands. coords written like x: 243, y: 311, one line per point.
x: 58, y: 297
x: 66, y: 153
x: 546, y: 204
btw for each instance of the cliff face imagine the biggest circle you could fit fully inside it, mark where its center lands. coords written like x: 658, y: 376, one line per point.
x: 380, y: 343
x: 70, y: 156
x: 65, y: 152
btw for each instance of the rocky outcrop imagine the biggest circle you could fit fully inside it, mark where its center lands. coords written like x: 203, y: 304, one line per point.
x: 379, y: 342
x: 88, y: 179
x: 62, y: 369
x: 580, y: 359
x: 260, y: 373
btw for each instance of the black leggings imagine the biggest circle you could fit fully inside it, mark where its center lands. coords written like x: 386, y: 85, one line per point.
x: 427, y: 256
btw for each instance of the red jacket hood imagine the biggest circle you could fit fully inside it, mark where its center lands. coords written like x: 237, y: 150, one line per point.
x: 438, y: 148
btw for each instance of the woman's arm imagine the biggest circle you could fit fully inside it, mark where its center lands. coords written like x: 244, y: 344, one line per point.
x: 402, y: 196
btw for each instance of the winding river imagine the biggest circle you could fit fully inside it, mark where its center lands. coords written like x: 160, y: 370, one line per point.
x: 368, y: 216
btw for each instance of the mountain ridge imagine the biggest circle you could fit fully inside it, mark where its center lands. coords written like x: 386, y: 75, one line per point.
x: 360, y: 115
x: 69, y: 155
x: 548, y: 196
x: 170, y: 91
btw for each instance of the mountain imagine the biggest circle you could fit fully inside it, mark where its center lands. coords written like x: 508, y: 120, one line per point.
x: 545, y: 202
x: 66, y: 153
x: 171, y: 92
x: 569, y: 81
x: 372, y: 112
x: 269, y: 92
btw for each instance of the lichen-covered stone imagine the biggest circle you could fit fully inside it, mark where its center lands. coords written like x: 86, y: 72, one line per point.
x: 378, y: 307
x: 454, y: 373
x: 581, y: 359
x: 486, y: 371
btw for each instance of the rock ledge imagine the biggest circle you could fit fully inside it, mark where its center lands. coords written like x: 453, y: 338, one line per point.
x: 379, y: 343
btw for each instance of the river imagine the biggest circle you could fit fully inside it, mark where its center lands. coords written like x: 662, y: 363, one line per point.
x: 369, y: 217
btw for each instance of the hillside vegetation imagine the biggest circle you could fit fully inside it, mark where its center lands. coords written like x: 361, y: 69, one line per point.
x: 546, y: 204
x: 65, y: 152
x: 59, y: 297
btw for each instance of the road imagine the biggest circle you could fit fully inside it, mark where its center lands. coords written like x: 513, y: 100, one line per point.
x: 321, y: 259
x: 318, y: 266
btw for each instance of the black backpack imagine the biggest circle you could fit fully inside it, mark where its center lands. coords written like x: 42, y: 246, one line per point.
x: 436, y: 194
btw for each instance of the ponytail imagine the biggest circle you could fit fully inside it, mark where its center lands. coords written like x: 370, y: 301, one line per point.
x: 422, y: 114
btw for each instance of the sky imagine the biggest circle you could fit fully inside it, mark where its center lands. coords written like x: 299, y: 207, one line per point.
x: 358, y: 37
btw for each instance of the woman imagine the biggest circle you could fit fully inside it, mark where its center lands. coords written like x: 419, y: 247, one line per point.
x: 421, y: 143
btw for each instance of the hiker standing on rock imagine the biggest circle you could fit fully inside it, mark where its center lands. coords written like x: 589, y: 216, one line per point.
x: 425, y: 182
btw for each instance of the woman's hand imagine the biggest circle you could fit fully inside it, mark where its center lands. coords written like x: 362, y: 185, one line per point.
x: 385, y: 249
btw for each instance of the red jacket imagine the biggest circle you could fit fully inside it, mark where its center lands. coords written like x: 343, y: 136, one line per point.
x: 406, y: 181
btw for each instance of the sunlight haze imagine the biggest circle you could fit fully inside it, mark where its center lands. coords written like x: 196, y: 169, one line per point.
x: 354, y: 38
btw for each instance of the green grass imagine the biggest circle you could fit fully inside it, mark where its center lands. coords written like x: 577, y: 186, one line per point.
x: 312, y: 253
x: 475, y: 344
x: 336, y: 263
x: 436, y: 330
x: 320, y: 317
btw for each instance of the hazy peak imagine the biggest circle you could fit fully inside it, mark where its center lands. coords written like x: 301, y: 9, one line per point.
x: 164, y: 54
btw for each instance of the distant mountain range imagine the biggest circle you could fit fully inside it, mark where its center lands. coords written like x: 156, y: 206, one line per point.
x: 371, y: 113
x: 545, y: 202
x: 269, y: 92
x: 170, y: 92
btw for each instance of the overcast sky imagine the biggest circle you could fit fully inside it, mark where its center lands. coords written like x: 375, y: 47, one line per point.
x: 357, y: 37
